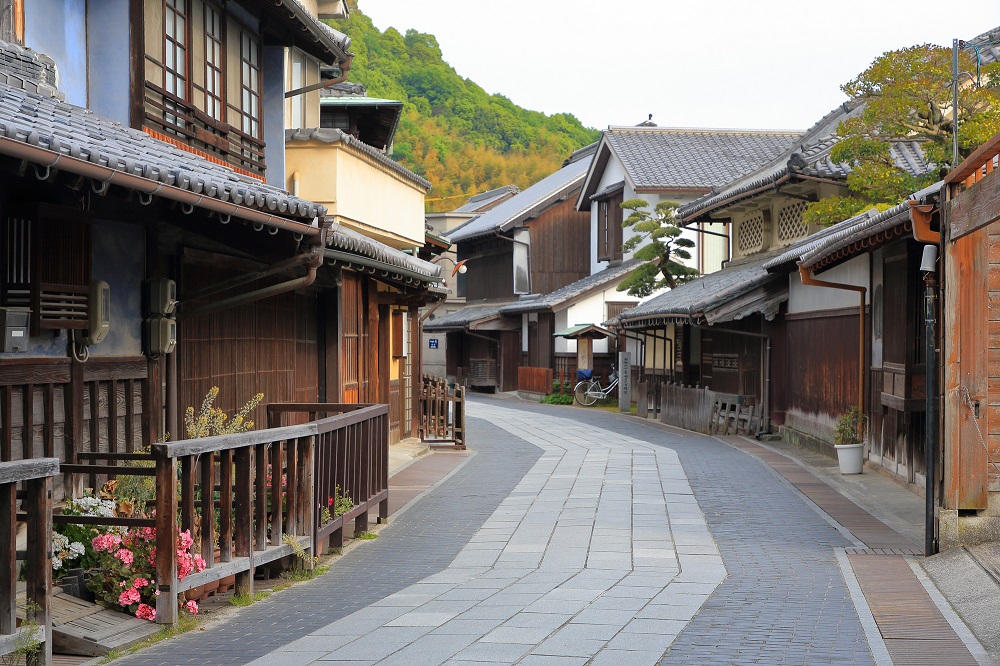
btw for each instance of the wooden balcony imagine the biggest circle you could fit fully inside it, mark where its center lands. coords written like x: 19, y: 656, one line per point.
x: 184, y: 125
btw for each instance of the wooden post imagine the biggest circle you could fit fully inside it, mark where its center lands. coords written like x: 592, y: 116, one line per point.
x: 166, y: 540
x: 39, y: 558
x: 277, y: 492
x: 187, y: 493
x: 226, y: 505
x: 208, y: 508
x: 243, y: 518
x: 8, y: 554
x: 306, y: 446
x: 260, y: 496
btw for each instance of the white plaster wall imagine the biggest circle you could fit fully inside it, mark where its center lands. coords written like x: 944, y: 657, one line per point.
x: 803, y: 298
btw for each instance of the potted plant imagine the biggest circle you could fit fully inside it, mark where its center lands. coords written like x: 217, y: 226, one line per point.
x: 848, y: 440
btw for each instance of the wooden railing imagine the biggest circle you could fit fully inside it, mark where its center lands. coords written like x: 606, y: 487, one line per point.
x: 36, y: 476
x: 174, y: 116
x: 351, y: 460
x: 534, y: 380
x: 441, y: 412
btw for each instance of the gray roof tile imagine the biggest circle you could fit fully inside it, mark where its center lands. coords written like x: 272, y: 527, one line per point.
x: 523, y: 205
x: 466, y: 316
x: 479, y: 202
x: 605, y: 278
x: 348, y: 240
x: 73, y: 131
x: 680, y: 158
x: 333, y: 135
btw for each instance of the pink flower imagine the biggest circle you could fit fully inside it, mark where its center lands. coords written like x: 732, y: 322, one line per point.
x: 199, y: 563
x: 125, y: 556
x: 140, y: 582
x: 329, y: 502
x: 145, y: 612
x: 191, y: 606
x: 129, y: 597
x: 185, y: 539
x: 106, y: 542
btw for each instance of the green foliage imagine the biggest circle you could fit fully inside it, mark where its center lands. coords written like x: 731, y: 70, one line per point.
x: 850, y: 427
x: 908, y: 96
x: 558, y: 399
x: 835, y: 209
x: 28, y: 640
x: 453, y: 132
x: 665, y: 245
x: 366, y: 536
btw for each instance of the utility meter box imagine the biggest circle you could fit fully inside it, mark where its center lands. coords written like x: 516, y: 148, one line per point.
x: 15, y: 329
x: 161, y: 335
x: 162, y: 296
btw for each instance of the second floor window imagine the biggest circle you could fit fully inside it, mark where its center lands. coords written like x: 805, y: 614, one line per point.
x: 175, y: 48
x: 213, y: 63
x: 250, y: 84
x: 609, y: 228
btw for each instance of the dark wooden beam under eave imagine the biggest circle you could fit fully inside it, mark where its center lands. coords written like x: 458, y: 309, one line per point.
x: 137, y: 64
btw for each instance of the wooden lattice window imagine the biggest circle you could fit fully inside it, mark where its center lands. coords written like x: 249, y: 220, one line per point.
x: 250, y: 84
x: 616, y: 308
x: 790, y: 224
x: 175, y: 56
x: 750, y: 235
x: 214, y: 63
x: 46, y: 266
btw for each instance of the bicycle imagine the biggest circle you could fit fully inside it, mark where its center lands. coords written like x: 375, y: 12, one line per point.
x: 589, y: 391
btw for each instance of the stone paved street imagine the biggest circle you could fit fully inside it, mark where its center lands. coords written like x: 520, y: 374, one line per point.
x: 571, y: 537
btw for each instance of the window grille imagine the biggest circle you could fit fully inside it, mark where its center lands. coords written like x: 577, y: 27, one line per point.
x: 790, y: 224
x: 750, y: 236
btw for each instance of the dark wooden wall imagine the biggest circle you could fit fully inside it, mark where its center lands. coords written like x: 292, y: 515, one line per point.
x: 560, y: 247
x: 268, y: 346
x: 730, y: 362
x: 821, y: 375
x: 491, y: 269
x: 541, y: 344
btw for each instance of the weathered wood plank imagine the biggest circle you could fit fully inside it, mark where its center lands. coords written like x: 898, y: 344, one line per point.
x: 23, y: 470
x: 16, y: 371
x: 975, y: 208
x: 115, y: 369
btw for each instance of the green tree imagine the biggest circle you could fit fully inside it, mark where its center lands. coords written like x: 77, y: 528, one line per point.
x: 907, y: 96
x: 664, y: 247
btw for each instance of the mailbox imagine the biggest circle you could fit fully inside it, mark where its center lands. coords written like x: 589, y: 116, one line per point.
x: 15, y: 329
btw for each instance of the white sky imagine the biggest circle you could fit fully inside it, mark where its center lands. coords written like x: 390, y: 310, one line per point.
x: 775, y: 64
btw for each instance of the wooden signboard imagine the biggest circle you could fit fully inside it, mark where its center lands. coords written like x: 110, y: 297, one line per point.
x: 976, y: 207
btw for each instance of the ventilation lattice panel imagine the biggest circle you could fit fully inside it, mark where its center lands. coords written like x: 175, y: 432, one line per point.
x: 790, y: 224
x: 750, y: 236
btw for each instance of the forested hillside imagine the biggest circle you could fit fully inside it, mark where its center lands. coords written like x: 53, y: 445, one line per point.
x: 452, y: 132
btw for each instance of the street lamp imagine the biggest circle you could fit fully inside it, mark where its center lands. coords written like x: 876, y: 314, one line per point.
x: 928, y: 266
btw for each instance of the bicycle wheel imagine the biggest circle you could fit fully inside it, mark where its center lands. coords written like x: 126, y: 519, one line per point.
x: 586, y: 392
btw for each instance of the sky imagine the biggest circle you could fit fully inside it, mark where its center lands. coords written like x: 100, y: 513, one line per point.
x: 701, y: 63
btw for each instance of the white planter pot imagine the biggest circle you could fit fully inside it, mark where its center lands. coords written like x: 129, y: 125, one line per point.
x: 851, y: 458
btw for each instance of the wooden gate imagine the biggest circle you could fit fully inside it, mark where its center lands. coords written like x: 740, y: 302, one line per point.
x: 442, y: 413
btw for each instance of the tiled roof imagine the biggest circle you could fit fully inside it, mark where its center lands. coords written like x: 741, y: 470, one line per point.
x: 987, y: 42
x: 679, y: 158
x: 483, y: 200
x: 333, y: 135
x: 468, y: 315
x: 20, y: 67
x: 337, y: 43
x: 75, y: 136
x: 810, y: 156
x: 692, y: 298
x: 842, y: 235
x: 606, y: 278
x: 348, y: 240
x: 523, y: 205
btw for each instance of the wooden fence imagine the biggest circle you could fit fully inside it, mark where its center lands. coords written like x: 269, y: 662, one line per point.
x: 534, y: 380
x: 36, y: 477
x: 269, y: 488
x: 441, y: 412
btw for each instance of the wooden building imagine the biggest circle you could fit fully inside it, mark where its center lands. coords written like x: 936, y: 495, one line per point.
x: 532, y: 242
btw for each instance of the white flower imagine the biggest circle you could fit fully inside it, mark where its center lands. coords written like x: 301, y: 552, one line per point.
x: 56, y: 563
x: 59, y: 542
x: 76, y: 549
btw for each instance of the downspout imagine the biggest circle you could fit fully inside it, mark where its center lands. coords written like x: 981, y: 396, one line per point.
x: 313, y: 263
x: 101, y: 174
x: 806, y: 275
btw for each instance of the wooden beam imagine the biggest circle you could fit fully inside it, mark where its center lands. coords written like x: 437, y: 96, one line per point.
x: 975, y: 208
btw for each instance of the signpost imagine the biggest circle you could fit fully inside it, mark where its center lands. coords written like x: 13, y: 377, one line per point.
x: 432, y: 343
x: 624, y: 382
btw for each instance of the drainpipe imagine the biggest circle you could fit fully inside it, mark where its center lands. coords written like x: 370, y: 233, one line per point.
x: 52, y: 160
x: 313, y: 263
x: 806, y: 275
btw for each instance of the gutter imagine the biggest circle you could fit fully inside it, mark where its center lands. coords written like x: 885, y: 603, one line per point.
x: 314, y: 260
x: 376, y: 265
x: 808, y: 279
x: 102, y: 174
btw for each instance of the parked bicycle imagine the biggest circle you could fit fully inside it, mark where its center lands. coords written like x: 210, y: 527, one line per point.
x: 589, y: 391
